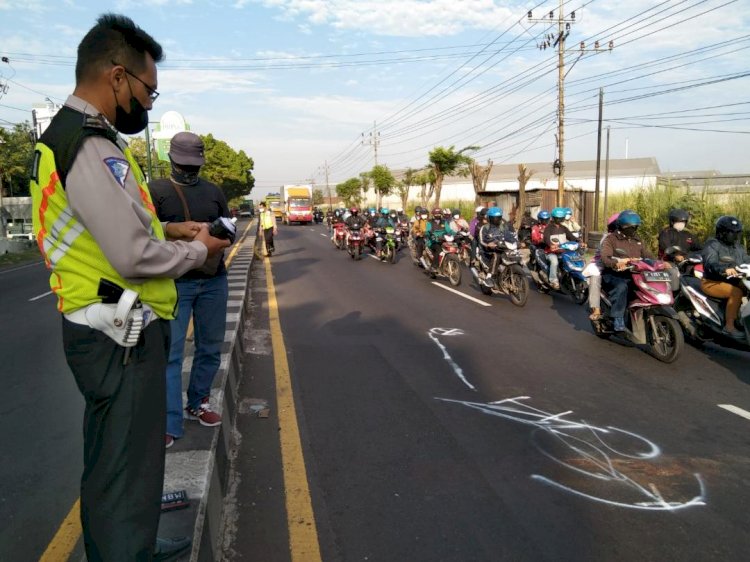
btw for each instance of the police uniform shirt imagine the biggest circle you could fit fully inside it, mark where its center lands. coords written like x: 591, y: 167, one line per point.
x: 104, y: 196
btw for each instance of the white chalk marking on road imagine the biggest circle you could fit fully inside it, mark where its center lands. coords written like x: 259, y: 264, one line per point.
x: 735, y: 410
x: 36, y: 298
x: 449, y: 332
x: 460, y: 294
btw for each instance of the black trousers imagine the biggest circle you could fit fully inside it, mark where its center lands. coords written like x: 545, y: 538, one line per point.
x: 123, y: 439
x: 268, y: 237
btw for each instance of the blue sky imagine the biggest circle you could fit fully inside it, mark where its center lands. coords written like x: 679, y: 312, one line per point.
x: 295, y: 83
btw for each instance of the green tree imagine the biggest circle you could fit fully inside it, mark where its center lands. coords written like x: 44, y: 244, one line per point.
x: 227, y: 168
x: 448, y: 162
x: 350, y: 191
x: 382, y: 181
x: 138, y: 148
x: 403, y: 186
x: 16, y: 156
x: 365, y: 181
x: 318, y: 198
x: 423, y: 179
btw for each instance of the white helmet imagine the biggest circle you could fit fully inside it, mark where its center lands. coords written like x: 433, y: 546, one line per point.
x: 479, y: 209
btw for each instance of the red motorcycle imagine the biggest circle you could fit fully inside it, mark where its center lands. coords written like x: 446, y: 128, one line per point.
x: 448, y: 262
x: 355, y: 243
x: 651, y: 320
x: 463, y: 241
x: 339, y: 235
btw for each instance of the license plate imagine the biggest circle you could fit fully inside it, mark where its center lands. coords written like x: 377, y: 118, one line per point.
x: 656, y: 276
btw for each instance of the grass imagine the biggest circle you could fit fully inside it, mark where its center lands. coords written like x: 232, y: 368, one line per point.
x: 27, y: 256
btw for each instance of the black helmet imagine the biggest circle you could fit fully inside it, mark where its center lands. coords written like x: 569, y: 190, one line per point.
x: 728, y: 229
x: 678, y: 215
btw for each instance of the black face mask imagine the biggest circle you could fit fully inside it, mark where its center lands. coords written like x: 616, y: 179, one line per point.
x: 185, y: 175
x: 130, y: 123
x: 629, y: 231
x: 729, y: 238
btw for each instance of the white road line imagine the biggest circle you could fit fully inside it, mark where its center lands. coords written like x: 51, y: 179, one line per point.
x: 36, y: 298
x: 460, y: 294
x: 735, y: 410
x: 324, y: 235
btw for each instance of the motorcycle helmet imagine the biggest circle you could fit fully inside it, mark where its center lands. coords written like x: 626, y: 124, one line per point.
x: 393, y: 215
x: 568, y: 213
x: 728, y: 230
x: 447, y: 214
x: 495, y: 215
x: 628, y: 222
x: 384, y: 212
x: 456, y: 213
x: 400, y: 211
x: 372, y: 212
x: 678, y: 219
x: 478, y: 209
x: 543, y: 216
x: 354, y: 211
x: 437, y: 213
x: 558, y: 214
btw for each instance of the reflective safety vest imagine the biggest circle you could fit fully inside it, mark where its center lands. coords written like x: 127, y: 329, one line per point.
x: 267, y: 219
x: 70, y: 251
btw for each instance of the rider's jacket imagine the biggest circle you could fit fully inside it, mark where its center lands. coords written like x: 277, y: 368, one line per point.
x: 383, y: 222
x: 459, y: 225
x: 492, y: 233
x: 355, y: 221
x: 669, y: 237
x: 556, y: 234
x: 436, y: 229
x: 713, y: 251
x: 633, y: 247
x: 419, y: 227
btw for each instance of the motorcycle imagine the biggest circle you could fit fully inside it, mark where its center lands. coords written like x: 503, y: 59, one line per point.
x: 386, y: 239
x: 650, y: 318
x: 355, y: 242
x: 448, y: 263
x: 503, y: 273
x: 702, y: 317
x: 402, y: 234
x: 339, y: 235
x: 318, y: 217
x: 569, y: 273
x: 463, y: 240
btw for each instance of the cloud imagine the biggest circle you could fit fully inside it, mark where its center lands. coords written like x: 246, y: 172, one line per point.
x: 407, y: 18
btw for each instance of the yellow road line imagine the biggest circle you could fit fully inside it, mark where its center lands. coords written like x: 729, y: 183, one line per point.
x: 303, y: 533
x: 62, y: 544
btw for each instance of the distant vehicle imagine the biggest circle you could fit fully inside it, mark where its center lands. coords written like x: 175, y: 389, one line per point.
x: 247, y: 209
x: 297, y: 204
x: 273, y: 202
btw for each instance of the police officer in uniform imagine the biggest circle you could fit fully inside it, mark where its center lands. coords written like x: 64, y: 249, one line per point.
x: 112, y: 272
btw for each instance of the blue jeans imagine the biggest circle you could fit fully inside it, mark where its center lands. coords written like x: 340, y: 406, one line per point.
x: 554, y: 262
x: 206, y: 301
x: 617, y: 291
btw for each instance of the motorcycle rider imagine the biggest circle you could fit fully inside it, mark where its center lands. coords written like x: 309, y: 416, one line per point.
x: 476, y: 223
x: 490, y: 234
x: 524, y: 229
x: 593, y: 272
x: 537, y: 231
x: 436, y: 229
x: 570, y: 223
x: 459, y: 224
x: 615, y: 279
x: 676, y: 235
x: 717, y: 270
x: 556, y: 234
x: 419, y: 231
x: 383, y: 221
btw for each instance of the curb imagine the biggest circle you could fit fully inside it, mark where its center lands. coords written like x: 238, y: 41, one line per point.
x: 198, y: 462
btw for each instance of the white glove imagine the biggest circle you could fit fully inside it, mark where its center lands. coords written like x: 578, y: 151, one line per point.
x: 123, y: 322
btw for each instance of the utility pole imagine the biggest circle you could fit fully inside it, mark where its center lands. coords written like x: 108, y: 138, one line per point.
x: 598, y: 159
x: 373, y: 139
x: 328, y: 187
x: 606, y: 177
x: 558, y: 40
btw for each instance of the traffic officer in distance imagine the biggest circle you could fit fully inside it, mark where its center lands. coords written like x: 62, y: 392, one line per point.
x: 112, y: 273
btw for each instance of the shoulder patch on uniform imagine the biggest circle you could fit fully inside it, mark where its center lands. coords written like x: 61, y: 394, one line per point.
x: 35, y: 166
x: 119, y: 168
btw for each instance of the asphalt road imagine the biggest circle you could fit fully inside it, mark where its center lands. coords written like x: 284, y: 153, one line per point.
x: 435, y: 428
x: 40, y: 417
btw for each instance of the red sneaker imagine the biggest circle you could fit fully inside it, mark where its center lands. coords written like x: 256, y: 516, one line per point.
x: 168, y: 442
x: 204, y: 414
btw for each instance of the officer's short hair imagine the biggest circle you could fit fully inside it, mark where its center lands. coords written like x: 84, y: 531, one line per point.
x: 115, y: 38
